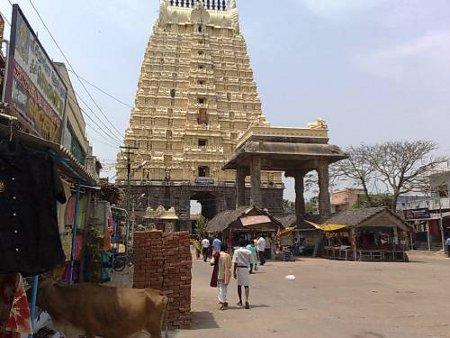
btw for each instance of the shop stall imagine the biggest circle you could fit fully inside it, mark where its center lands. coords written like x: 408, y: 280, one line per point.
x: 41, y: 187
x: 369, y: 234
x: 248, y: 223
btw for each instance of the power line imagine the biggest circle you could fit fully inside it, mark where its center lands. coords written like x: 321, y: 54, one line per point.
x: 111, y: 134
x: 104, y: 143
x: 104, y: 92
x: 5, y: 18
x: 70, y: 65
x: 112, y: 137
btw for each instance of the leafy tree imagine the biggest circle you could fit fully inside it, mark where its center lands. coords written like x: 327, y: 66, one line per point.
x: 288, y: 206
x: 201, y: 225
x: 402, y: 166
x: 377, y: 200
x: 311, y: 205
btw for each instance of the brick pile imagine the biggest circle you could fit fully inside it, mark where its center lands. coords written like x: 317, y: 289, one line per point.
x: 164, y: 262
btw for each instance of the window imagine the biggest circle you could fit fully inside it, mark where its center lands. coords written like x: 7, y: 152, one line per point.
x: 202, y: 116
x: 201, y: 100
x: 167, y: 159
x: 201, y: 82
x: 172, y: 93
x: 202, y: 143
x: 200, y: 52
x: 201, y: 67
x: 200, y: 29
x: 203, y: 171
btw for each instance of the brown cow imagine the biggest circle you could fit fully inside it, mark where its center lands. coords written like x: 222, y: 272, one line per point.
x: 93, y: 310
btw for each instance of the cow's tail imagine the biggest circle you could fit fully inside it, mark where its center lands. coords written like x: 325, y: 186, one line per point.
x: 166, y: 315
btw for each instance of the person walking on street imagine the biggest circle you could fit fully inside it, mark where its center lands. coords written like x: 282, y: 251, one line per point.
x: 261, y: 247
x: 448, y: 246
x: 242, y: 258
x: 221, y: 275
x: 216, y: 244
x: 205, y: 248
x: 254, y: 266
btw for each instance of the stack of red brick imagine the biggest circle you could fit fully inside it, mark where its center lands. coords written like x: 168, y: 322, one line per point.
x: 164, y: 262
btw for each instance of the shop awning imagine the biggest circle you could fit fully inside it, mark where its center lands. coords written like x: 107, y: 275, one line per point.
x: 254, y: 220
x: 287, y: 231
x: 328, y: 227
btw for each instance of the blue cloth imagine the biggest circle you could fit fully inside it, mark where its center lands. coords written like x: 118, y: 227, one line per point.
x: 216, y: 244
x: 448, y: 241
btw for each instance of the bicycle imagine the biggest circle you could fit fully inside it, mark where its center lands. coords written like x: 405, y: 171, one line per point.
x: 122, y: 260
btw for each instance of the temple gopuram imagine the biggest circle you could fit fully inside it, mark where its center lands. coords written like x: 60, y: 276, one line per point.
x: 196, y: 97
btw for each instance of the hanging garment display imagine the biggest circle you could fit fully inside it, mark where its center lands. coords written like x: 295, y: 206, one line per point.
x: 62, y: 207
x: 29, y: 188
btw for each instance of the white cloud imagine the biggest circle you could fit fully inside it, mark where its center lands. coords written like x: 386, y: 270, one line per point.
x: 335, y: 9
x: 423, y: 61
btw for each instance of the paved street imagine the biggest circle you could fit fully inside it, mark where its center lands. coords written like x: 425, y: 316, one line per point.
x: 330, y: 299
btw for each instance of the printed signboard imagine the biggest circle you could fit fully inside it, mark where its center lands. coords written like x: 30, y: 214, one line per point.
x: 204, y: 181
x: 35, y: 91
x: 419, y: 213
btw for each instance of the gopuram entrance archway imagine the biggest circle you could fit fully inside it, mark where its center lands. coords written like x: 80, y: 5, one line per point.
x: 296, y: 151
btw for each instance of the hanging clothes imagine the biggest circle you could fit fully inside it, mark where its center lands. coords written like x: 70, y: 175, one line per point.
x: 29, y: 236
x: 70, y: 211
x: 19, y: 321
x: 62, y: 207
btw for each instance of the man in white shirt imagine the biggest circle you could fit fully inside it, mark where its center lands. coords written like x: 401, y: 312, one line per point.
x: 205, y: 247
x: 242, y: 258
x: 261, y: 247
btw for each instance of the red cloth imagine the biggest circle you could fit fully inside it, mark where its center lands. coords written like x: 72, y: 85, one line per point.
x: 19, y: 321
x: 215, y: 272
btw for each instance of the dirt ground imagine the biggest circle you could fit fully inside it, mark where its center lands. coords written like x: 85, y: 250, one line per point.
x: 330, y: 299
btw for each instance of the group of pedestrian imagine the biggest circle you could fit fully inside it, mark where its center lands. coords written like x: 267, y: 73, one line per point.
x: 243, y: 263
x: 209, y: 249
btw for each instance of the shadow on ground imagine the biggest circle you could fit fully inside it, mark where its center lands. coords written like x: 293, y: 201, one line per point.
x: 203, y: 320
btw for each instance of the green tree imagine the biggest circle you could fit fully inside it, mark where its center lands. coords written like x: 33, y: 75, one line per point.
x: 288, y: 206
x: 201, y: 225
x: 311, y: 205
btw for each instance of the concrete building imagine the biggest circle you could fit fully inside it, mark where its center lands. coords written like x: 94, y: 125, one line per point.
x: 346, y: 199
x: 196, y: 97
x: 74, y: 138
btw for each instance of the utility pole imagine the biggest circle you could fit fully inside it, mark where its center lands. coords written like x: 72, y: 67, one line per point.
x: 128, y: 153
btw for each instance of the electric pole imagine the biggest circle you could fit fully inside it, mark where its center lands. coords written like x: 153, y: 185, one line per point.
x: 128, y: 153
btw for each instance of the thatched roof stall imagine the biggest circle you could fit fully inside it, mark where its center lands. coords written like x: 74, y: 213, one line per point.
x: 375, y: 217
x: 366, y: 234
x: 244, y: 222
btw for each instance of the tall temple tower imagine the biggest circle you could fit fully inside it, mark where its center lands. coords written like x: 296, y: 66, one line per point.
x: 196, y: 97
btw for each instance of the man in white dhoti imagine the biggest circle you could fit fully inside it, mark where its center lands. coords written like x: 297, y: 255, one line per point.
x: 242, y: 258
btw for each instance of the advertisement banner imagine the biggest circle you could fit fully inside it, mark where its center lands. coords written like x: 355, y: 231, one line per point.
x: 419, y: 213
x: 35, y: 90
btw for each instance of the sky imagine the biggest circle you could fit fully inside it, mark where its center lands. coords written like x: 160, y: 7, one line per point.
x: 375, y: 70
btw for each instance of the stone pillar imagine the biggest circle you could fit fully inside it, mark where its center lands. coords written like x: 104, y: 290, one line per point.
x: 324, y: 193
x: 240, y: 186
x: 255, y: 175
x: 300, y: 208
